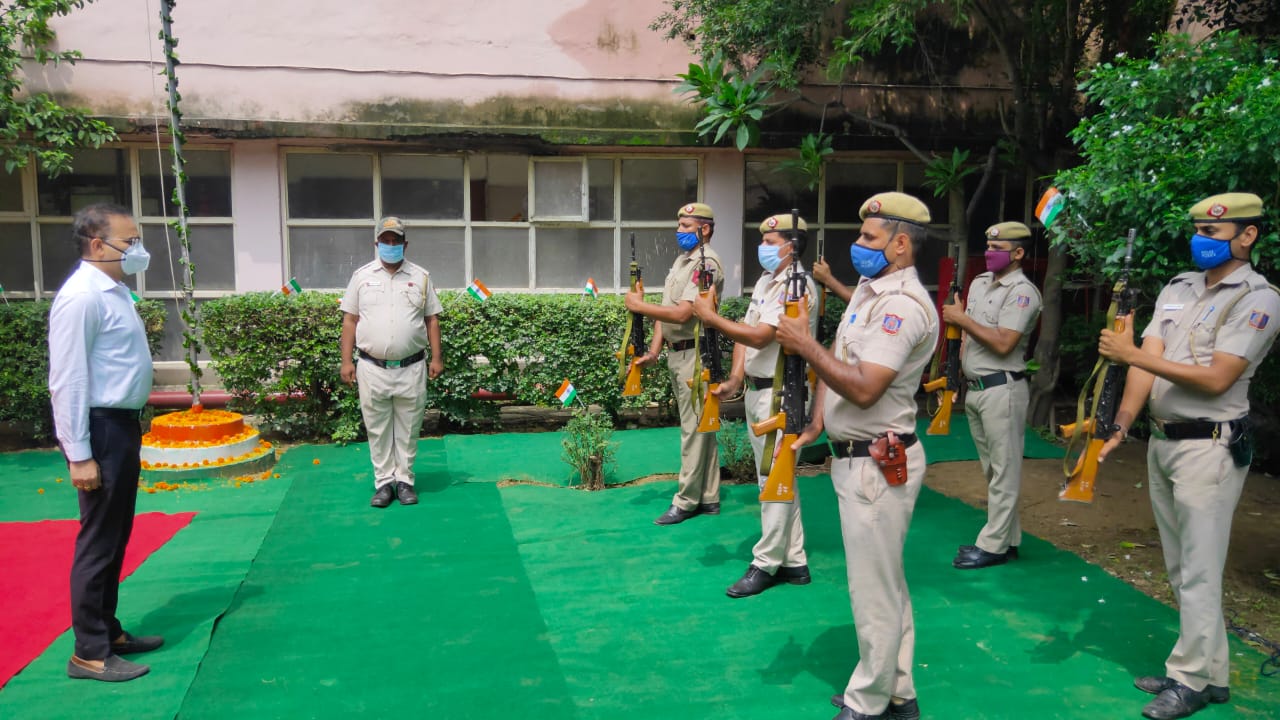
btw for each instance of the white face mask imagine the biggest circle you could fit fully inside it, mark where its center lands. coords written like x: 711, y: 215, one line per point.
x: 135, y: 258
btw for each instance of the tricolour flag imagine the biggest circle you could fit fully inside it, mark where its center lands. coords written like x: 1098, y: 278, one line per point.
x: 591, y: 288
x: 134, y: 296
x: 478, y: 290
x: 567, y: 392
x: 1050, y: 206
x: 292, y: 287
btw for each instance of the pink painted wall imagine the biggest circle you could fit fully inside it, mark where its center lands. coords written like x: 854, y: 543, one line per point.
x: 311, y: 60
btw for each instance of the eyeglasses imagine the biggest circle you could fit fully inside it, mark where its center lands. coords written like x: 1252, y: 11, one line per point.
x: 135, y: 240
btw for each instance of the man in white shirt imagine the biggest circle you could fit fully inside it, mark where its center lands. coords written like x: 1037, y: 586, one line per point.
x: 99, y: 379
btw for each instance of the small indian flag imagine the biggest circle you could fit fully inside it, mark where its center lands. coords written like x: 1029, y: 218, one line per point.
x: 1050, y: 205
x: 135, y: 297
x: 567, y: 392
x: 478, y: 290
x: 292, y: 287
x: 591, y: 288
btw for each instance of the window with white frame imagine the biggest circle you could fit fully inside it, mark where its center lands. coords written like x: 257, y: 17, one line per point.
x: 515, y: 222
x: 831, y: 211
x: 36, y: 213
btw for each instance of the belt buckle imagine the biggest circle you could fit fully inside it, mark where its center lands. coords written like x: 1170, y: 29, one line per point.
x: 393, y: 364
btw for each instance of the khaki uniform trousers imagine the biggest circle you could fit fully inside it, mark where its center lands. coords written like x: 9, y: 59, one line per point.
x: 1194, y: 488
x: 392, y: 401
x: 874, y: 518
x: 781, y: 532
x: 699, y: 454
x: 997, y: 421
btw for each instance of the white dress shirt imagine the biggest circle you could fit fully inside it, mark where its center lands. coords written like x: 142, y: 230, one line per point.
x: 98, y: 355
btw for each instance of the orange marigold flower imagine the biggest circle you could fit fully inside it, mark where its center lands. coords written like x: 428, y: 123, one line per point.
x: 316, y: 461
x: 40, y: 491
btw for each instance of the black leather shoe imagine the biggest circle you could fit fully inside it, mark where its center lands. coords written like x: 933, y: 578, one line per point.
x: 709, y: 509
x: 673, y: 516
x: 1156, y: 684
x: 848, y: 713
x: 133, y: 645
x: 754, y: 582
x: 114, y: 669
x: 1012, y: 554
x: 382, y: 497
x: 905, y: 710
x: 1177, y: 701
x: 798, y: 575
x: 978, y: 558
x: 406, y: 494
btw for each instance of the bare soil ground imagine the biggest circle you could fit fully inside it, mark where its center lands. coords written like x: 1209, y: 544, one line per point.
x: 1118, y: 532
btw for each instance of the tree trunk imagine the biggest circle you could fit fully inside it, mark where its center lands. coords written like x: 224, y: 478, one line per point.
x: 592, y: 475
x: 1047, y: 354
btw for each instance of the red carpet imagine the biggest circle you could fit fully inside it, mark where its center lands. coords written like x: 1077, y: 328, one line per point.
x: 35, y: 583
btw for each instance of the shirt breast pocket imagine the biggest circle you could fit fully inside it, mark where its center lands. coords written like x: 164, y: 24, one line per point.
x: 371, y: 294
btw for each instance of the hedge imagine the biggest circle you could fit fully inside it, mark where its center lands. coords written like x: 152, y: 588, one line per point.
x: 24, y: 361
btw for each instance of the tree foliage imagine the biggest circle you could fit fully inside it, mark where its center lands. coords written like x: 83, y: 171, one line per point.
x: 1196, y: 120
x: 36, y: 123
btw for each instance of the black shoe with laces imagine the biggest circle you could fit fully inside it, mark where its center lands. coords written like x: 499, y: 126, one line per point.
x: 382, y: 497
x: 754, y: 582
x: 1176, y: 701
x: 1156, y: 684
x: 406, y: 494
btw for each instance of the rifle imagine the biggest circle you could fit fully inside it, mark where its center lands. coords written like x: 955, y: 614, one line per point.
x: 633, y: 343
x: 948, y: 384
x: 1093, y: 433
x: 790, y: 390
x: 708, y: 372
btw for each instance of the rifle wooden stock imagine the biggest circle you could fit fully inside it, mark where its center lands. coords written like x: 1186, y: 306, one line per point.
x: 1079, y: 487
x: 632, y: 386
x: 633, y: 345
x: 709, y: 420
x: 941, y: 422
x: 780, y: 485
x: 772, y: 426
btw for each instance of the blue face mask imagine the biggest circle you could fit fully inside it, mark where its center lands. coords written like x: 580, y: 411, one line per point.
x: 390, y: 253
x: 688, y: 241
x: 768, y: 256
x: 866, y: 261
x: 1208, y: 253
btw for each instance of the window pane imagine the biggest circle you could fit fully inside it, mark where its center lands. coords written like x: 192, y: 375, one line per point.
x: 422, y: 186
x: 330, y: 186
x: 657, y: 189
x: 656, y: 250
x: 97, y: 176
x: 500, y: 188
x: 10, y: 191
x: 568, y: 256
x: 600, y: 187
x: 770, y: 191
x: 326, y: 257
x: 442, y: 252
x: 211, y: 252
x: 557, y: 189
x: 913, y: 184
x: 171, y: 343
x: 59, y: 257
x: 848, y: 185
x: 208, y: 183
x: 500, y: 256
x: 17, y: 272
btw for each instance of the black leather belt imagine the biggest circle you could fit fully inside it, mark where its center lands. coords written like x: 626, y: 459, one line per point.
x: 393, y: 364
x: 106, y: 413
x: 1193, y: 430
x: 680, y: 345
x: 759, y: 383
x: 994, y: 380
x: 861, y: 448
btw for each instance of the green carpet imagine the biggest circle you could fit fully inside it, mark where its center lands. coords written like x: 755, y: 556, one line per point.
x: 525, y: 601
x: 179, y: 592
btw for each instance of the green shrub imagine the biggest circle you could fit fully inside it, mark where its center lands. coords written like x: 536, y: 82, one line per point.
x: 24, y: 361
x: 736, y: 455
x: 588, y: 447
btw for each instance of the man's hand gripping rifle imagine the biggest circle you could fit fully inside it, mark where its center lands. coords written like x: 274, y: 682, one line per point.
x: 790, y: 391
x: 1087, y: 436
x: 633, y: 342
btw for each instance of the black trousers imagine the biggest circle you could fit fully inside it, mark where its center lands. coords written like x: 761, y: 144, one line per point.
x: 106, y: 521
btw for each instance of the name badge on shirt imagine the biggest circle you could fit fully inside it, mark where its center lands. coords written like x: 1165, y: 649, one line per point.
x: 1171, y: 306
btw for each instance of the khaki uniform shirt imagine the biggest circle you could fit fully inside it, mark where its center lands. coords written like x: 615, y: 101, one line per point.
x: 1188, y: 318
x: 767, y: 304
x: 890, y: 321
x: 1011, y: 302
x: 681, y: 286
x: 392, y: 309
